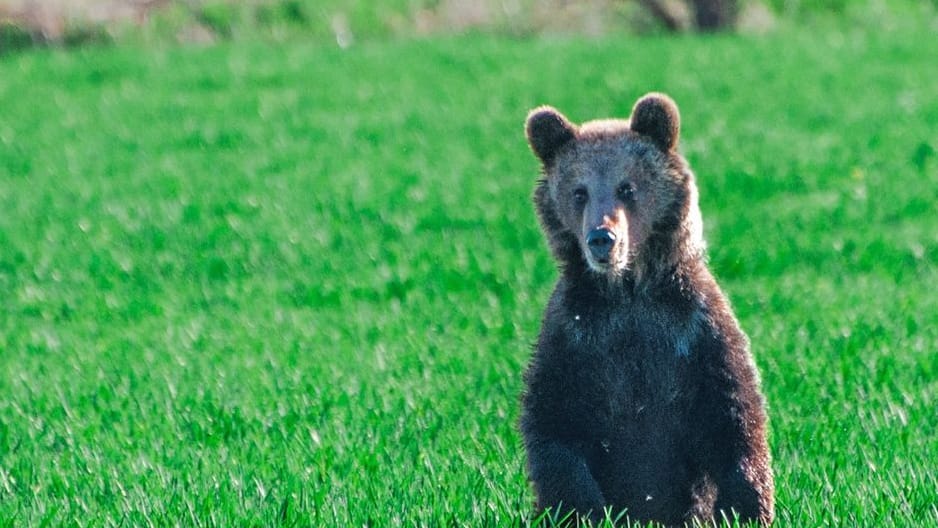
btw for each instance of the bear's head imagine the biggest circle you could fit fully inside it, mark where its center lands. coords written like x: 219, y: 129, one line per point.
x: 617, y: 198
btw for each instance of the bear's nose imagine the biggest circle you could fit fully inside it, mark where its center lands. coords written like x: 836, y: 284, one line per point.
x: 600, y: 242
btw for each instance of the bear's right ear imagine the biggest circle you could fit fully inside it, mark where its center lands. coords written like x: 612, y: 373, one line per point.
x: 547, y: 131
x: 655, y: 116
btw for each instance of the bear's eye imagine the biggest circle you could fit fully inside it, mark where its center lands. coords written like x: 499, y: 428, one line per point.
x: 625, y: 191
x: 579, y: 195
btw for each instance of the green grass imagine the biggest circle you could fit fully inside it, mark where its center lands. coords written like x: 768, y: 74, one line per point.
x: 258, y: 285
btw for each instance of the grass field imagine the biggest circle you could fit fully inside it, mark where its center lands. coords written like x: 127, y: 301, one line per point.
x: 257, y: 285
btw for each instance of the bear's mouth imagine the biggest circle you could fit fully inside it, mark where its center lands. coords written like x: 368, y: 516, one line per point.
x: 613, y: 263
x: 606, y: 266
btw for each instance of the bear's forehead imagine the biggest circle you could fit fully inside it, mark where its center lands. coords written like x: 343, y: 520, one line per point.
x: 610, y: 138
x: 605, y: 127
x: 623, y: 152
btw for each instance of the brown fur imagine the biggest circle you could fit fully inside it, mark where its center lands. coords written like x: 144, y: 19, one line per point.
x: 642, y: 394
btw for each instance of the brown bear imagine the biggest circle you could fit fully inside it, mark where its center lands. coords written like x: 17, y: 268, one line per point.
x: 642, y: 396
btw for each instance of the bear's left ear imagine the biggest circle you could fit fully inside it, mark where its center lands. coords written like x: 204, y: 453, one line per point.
x: 547, y: 131
x: 655, y: 116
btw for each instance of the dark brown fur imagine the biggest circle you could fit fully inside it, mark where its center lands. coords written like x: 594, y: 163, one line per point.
x: 642, y: 394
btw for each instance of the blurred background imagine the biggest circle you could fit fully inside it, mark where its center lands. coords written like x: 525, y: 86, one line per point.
x: 27, y: 23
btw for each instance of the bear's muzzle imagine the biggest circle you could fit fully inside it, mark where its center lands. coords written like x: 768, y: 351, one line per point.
x: 600, y: 243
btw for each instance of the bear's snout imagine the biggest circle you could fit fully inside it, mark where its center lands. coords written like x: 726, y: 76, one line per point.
x: 600, y: 243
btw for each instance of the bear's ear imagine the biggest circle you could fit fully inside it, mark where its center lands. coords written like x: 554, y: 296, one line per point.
x: 547, y: 131
x: 655, y: 115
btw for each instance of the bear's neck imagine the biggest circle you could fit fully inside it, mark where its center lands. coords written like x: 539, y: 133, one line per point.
x: 667, y: 259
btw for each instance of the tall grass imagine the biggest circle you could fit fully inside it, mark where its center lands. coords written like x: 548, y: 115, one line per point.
x: 251, y: 284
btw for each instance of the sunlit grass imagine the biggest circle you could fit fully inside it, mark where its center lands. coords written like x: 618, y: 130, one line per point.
x: 258, y: 285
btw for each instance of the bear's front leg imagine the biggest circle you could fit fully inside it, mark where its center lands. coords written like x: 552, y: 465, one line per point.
x: 745, y: 489
x: 562, y: 479
x: 730, y: 423
x: 733, y: 448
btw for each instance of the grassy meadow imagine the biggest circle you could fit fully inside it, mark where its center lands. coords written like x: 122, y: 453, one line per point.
x: 251, y: 284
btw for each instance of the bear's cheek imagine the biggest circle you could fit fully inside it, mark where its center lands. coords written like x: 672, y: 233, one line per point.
x: 637, y: 234
x: 567, y: 212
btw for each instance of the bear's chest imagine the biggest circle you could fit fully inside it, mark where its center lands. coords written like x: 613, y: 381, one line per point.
x: 633, y: 373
